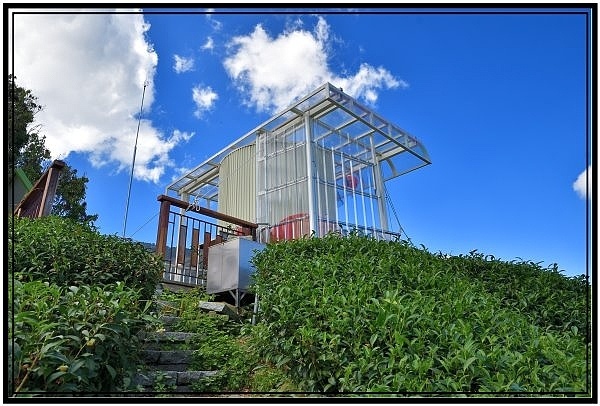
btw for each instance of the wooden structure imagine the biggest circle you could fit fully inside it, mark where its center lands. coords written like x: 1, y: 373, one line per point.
x: 18, y: 186
x: 38, y: 201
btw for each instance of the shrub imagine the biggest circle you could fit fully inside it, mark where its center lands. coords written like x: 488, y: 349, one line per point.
x: 220, y: 344
x: 75, y: 339
x: 78, y: 299
x: 544, y: 296
x: 63, y: 252
x: 228, y: 354
x: 359, y: 315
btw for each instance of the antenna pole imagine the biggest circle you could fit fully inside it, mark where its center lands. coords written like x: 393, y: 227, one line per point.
x: 134, y: 153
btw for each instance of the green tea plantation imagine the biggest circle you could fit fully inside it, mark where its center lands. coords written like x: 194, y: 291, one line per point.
x: 352, y: 314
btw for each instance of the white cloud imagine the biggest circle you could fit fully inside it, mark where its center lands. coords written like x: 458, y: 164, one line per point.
x: 182, y: 64
x: 579, y: 185
x: 216, y: 24
x: 366, y: 82
x: 88, y: 72
x: 209, y: 44
x: 178, y: 172
x: 271, y: 72
x: 204, y: 99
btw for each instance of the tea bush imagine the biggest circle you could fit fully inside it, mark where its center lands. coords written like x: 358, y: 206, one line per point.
x: 66, y: 253
x: 75, y: 339
x: 78, y: 299
x: 547, y: 298
x: 352, y: 314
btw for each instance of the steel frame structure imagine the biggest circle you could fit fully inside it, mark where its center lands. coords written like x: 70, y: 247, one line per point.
x: 324, y: 148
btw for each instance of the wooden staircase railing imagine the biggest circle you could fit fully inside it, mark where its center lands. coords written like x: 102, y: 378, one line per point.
x: 184, y: 237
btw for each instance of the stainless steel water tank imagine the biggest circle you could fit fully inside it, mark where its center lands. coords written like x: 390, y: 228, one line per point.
x: 229, y: 266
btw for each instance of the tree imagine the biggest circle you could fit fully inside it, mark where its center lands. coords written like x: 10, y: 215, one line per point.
x: 70, y: 193
x: 33, y: 157
x: 27, y: 150
x: 22, y: 108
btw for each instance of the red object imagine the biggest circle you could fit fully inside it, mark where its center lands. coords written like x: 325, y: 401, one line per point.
x: 239, y: 230
x: 291, y: 227
x: 351, y: 181
x: 297, y: 226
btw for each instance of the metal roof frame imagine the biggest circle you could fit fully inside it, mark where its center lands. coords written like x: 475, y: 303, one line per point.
x: 325, y: 104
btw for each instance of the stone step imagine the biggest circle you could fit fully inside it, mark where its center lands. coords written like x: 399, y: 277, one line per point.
x: 167, y: 357
x: 221, y: 308
x: 166, y: 353
x: 169, y: 321
x: 181, y: 379
x: 166, y: 307
x: 170, y: 367
x: 174, y: 286
x: 167, y: 336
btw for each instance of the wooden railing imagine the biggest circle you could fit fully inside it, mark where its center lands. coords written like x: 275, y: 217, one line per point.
x: 38, y: 202
x: 184, y: 237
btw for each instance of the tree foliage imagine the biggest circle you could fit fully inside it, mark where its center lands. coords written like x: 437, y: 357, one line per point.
x: 22, y: 107
x: 27, y: 150
x: 70, y: 193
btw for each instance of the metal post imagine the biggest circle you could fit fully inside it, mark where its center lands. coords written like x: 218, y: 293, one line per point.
x: 312, y: 218
x: 372, y: 182
x: 255, y: 311
x: 380, y: 195
x: 345, y: 192
x: 335, y: 189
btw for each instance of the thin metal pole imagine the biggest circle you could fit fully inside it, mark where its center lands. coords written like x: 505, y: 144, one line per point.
x: 255, y: 311
x: 380, y: 192
x: 312, y: 218
x: 133, y: 163
x: 335, y: 188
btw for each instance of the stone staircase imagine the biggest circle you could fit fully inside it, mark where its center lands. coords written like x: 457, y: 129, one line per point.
x: 167, y: 356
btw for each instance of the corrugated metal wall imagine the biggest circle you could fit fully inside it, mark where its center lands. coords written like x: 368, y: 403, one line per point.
x: 237, y: 184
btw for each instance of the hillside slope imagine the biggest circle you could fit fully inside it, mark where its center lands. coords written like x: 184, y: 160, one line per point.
x: 357, y: 315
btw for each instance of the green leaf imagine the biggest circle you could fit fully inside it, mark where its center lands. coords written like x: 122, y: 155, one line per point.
x: 76, y: 365
x: 516, y: 387
x: 15, y: 349
x: 111, y: 371
x: 56, y: 375
x: 113, y: 329
x: 468, y: 363
x: 57, y: 356
x: 50, y: 345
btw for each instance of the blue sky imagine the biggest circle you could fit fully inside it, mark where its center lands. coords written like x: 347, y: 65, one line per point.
x: 499, y: 101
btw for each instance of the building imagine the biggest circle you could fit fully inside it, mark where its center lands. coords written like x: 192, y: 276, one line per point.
x: 319, y: 166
